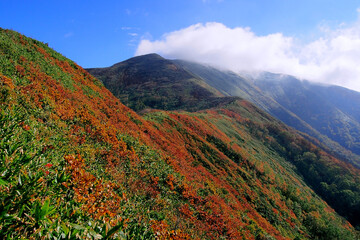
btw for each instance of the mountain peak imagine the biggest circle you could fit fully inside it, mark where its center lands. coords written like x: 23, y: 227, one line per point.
x: 150, y: 55
x: 151, y: 81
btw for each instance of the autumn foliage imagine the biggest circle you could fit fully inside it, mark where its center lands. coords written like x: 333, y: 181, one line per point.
x: 87, y: 167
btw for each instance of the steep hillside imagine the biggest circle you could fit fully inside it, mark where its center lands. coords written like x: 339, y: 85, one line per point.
x: 329, y: 114
x: 151, y: 81
x: 318, y: 183
x: 75, y: 163
x: 232, y: 84
x: 273, y: 160
x: 330, y: 110
x: 66, y: 144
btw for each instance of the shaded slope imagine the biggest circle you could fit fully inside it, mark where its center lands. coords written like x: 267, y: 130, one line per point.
x: 330, y: 110
x: 151, y: 81
x: 77, y: 163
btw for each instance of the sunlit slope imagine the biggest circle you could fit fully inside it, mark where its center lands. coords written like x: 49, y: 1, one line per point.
x: 328, y: 113
x: 77, y: 163
x: 248, y: 159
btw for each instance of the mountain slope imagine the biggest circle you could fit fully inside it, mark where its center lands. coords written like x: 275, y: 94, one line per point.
x: 329, y: 109
x: 77, y: 164
x: 267, y: 178
x: 154, y: 82
x: 231, y: 84
x: 297, y: 104
x: 286, y: 147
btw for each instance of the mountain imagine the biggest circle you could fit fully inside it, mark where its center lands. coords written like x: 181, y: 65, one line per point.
x: 154, y: 82
x: 331, y: 110
x: 337, y: 129
x: 78, y: 164
x: 288, y: 147
x: 327, y: 113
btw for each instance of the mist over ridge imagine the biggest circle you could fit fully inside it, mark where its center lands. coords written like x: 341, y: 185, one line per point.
x: 332, y: 58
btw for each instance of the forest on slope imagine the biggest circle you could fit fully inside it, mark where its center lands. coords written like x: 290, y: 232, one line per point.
x: 77, y: 163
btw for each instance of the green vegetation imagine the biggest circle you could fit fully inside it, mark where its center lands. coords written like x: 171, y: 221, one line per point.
x: 329, y: 110
x: 57, y: 158
x: 336, y: 183
x: 266, y: 178
x: 325, y: 113
x: 77, y: 164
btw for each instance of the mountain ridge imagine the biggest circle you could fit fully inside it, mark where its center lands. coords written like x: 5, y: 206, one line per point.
x: 228, y: 84
x: 261, y: 91
x: 78, y: 164
x: 285, y: 139
x: 163, y: 86
x: 324, y: 110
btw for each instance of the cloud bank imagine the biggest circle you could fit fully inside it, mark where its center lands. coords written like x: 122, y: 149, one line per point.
x: 334, y: 58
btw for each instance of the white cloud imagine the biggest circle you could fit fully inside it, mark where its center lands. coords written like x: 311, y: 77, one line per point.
x: 334, y: 58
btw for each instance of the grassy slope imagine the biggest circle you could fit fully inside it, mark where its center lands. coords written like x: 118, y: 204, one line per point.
x: 235, y: 153
x: 285, y: 100
x: 76, y: 163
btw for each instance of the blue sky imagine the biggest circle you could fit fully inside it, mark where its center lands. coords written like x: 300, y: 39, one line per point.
x: 101, y: 33
x: 96, y: 33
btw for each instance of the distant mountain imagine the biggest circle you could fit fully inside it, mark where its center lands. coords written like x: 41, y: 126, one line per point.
x: 232, y: 84
x: 151, y: 81
x: 331, y: 110
x: 328, y: 113
x: 75, y: 163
